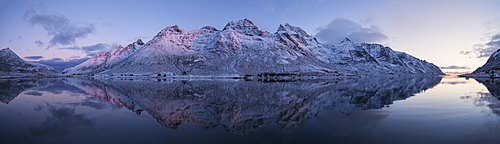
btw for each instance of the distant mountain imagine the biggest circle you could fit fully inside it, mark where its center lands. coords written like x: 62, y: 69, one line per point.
x: 490, y: 69
x: 59, y: 64
x: 12, y: 65
x: 373, y: 59
x: 242, y: 48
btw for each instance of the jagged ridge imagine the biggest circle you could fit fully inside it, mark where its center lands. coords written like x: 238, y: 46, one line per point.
x: 242, y: 48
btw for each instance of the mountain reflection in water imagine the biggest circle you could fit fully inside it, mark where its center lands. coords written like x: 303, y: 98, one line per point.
x: 11, y: 88
x: 492, y: 98
x: 347, y: 110
x: 243, y: 106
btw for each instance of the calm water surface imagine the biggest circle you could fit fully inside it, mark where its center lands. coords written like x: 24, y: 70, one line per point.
x: 369, y: 110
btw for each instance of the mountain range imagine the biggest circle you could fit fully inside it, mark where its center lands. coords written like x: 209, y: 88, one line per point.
x: 241, y: 48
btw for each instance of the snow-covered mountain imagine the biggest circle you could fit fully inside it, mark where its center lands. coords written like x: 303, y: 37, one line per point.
x: 12, y: 65
x: 490, y: 69
x: 241, y: 48
x: 373, y: 59
x: 107, y: 60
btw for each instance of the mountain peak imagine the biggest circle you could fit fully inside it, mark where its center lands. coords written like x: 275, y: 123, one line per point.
x: 244, y: 26
x: 346, y: 40
x: 239, y: 24
x: 8, y: 52
x: 242, y: 48
x: 209, y: 28
x: 170, y: 30
x: 6, y: 49
x: 175, y: 27
x: 139, y: 42
x: 289, y: 28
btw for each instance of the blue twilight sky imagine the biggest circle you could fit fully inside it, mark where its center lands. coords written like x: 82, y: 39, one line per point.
x: 457, y: 34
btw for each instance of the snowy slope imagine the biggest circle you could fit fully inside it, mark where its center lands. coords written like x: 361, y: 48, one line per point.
x: 242, y: 48
x: 373, y: 59
x: 106, y: 60
x: 12, y: 65
x: 490, y: 68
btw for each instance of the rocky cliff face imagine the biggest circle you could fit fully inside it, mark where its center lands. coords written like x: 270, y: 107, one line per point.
x: 241, y: 48
x: 12, y: 65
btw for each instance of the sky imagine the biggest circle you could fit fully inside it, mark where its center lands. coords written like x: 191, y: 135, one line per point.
x: 456, y: 35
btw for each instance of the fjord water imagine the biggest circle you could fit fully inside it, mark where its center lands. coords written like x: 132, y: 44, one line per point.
x: 419, y: 109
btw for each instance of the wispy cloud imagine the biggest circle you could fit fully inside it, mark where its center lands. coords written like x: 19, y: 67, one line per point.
x: 39, y: 43
x: 33, y: 57
x: 33, y: 93
x: 100, y: 47
x: 455, y: 67
x: 18, y: 38
x: 60, y: 122
x: 90, y: 50
x: 62, y: 30
x: 342, y: 28
x: 71, y: 48
x: 486, y: 49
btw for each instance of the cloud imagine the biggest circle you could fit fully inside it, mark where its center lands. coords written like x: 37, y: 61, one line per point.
x: 39, y: 43
x: 91, y: 102
x: 341, y: 28
x: 71, y: 48
x: 485, y: 50
x: 100, y: 47
x: 495, y: 41
x: 61, y: 121
x: 33, y: 57
x: 62, y: 30
x: 33, y: 93
x: 60, y: 64
x: 92, y: 49
x: 455, y: 67
x: 18, y: 38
